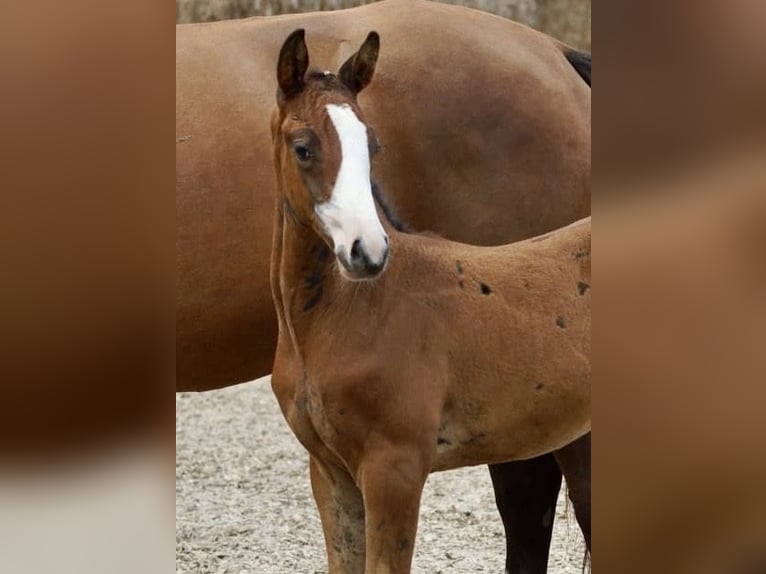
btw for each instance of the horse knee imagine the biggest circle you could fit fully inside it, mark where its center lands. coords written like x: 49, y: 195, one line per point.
x: 392, y: 484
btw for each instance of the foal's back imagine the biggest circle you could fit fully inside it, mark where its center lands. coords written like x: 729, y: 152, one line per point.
x: 548, y: 273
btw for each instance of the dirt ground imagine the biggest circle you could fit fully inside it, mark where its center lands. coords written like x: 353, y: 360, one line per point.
x: 244, y: 504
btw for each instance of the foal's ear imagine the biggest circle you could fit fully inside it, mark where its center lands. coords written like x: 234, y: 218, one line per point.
x: 293, y: 63
x: 357, y: 72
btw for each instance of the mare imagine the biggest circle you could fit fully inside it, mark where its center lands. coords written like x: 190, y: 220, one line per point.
x: 501, y: 153
x: 400, y: 354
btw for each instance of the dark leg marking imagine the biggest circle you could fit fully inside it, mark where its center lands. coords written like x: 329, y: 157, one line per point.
x: 582, y: 287
x: 485, y: 290
x: 560, y: 322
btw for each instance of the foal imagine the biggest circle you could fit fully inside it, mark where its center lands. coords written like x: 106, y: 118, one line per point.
x: 400, y: 354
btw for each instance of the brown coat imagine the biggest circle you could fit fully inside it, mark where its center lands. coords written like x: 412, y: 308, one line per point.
x: 479, y: 354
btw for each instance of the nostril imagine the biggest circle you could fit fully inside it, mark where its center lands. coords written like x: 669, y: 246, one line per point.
x: 356, y: 250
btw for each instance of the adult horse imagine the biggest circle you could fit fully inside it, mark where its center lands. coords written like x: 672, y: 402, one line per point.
x: 499, y: 151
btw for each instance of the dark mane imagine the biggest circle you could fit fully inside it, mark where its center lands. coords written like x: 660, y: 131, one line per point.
x: 581, y: 62
x: 388, y: 211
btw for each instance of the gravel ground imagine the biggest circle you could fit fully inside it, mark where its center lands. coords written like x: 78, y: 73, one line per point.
x: 244, y: 503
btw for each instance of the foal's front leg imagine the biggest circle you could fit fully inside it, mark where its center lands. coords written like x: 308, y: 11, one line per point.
x: 342, y: 513
x: 391, y: 483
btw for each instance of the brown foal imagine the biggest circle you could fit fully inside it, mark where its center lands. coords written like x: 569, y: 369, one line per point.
x: 510, y: 115
x: 400, y: 354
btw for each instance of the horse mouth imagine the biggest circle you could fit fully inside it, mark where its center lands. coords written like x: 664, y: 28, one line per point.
x: 361, y: 270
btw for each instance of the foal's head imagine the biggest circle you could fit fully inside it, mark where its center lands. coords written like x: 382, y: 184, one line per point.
x: 322, y: 150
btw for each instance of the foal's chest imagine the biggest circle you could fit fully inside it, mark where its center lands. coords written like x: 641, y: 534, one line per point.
x: 318, y: 417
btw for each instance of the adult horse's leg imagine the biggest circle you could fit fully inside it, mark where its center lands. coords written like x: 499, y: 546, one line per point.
x: 341, y: 510
x: 526, y: 492
x: 574, y: 461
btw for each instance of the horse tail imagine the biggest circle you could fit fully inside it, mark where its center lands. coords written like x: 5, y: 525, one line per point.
x: 580, y: 61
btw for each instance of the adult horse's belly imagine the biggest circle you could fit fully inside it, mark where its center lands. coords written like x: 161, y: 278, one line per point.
x: 485, y: 132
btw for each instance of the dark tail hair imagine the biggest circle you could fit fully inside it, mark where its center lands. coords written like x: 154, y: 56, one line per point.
x: 580, y: 61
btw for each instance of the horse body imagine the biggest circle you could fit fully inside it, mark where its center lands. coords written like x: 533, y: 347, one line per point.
x: 480, y: 353
x: 388, y: 367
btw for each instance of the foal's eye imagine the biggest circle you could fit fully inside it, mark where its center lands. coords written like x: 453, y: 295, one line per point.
x: 302, y: 152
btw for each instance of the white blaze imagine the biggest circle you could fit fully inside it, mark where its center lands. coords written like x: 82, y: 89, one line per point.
x: 350, y: 213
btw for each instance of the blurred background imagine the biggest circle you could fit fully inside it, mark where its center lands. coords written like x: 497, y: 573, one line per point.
x: 566, y: 20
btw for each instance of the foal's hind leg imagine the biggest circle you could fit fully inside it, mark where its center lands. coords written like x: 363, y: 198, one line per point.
x: 342, y: 512
x: 574, y: 460
x: 526, y: 493
x: 391, y: 483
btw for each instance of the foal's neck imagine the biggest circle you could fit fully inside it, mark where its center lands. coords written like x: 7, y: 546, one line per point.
x: 302, y: 269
